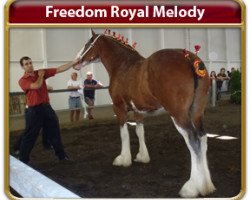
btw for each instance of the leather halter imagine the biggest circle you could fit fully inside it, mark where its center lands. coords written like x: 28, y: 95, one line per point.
x: 83, y: 53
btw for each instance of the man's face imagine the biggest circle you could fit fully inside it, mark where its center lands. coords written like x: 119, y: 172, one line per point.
x: 222, y: 71
x: 74, y: 76
x: 28, y: 66
x: 89, y: 77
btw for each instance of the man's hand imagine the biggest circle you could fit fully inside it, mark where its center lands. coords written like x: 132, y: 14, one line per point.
x: 49, y: 88
x: 97, y: 86
x: 38, y: 83
x: 41, y: 73
x: 76, y: 61
x: 74, y: 87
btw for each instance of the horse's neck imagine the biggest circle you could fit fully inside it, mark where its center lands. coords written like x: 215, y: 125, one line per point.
x: 115, y: 55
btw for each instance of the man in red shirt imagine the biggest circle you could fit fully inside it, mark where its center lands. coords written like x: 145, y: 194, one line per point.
x: 39, y: 114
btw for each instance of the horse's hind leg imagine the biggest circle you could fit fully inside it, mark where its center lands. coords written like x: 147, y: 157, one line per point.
x: 142, y: 155
x: 198, y: 124
x: 124, y: 159
x: 196, y: 140
x: 196, y: 114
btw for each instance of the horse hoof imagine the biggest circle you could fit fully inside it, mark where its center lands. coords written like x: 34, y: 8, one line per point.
x: 142, y: 158
x: 208, y: 189
x: 189, y: 190
x: 122, y: 161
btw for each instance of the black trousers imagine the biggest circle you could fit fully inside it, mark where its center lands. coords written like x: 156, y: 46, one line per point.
x: 219, y: 85
x: 37, y: 117
x: 45, y: 141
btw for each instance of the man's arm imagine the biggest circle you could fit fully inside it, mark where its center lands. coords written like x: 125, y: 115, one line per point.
x: 67, y: 66
x: 71, y: 87
x: 36, y: 85
x: 98, y: 85
x: 89, y: 86
x: 74, y: 87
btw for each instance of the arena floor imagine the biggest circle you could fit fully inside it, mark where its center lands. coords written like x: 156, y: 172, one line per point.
x: 94, y: 146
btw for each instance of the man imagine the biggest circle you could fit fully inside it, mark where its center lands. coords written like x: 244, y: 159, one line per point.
x: 75, y: 103
x: 39, y: 114
x: 45, y: 141
x: 230, y: 73
x: 89, y: 92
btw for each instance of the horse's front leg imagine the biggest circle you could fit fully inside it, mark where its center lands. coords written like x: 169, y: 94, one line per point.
x: 124, y: 159
x: 142, y: 155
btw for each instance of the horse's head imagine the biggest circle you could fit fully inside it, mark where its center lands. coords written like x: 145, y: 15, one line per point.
x: 89, y: 53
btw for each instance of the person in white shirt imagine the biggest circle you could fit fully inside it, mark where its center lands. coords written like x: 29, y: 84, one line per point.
x: 75, y: 102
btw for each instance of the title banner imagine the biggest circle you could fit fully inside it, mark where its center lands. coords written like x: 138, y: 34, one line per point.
x: 212, y: 11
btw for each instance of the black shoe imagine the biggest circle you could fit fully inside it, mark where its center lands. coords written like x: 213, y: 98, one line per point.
x: 50, y: 147
x: 90, y: 116
x: 17, y: 153
x: 66, y: 159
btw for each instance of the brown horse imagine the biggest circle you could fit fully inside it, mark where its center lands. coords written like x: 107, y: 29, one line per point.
x: 166, y: 79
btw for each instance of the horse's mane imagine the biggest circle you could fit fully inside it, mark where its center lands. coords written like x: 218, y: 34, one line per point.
x: 126, y: 46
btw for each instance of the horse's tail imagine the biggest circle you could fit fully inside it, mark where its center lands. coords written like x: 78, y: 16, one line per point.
x: 200, y: 94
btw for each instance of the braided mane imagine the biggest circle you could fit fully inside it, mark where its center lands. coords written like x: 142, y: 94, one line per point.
x: 120, y: 42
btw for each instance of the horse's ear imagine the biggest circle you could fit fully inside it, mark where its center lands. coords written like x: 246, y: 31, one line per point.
x: 93, y: 33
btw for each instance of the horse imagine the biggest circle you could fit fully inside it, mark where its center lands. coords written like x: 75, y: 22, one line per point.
x: 167, y: 79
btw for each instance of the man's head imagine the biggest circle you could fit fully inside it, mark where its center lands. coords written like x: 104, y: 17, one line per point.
x: 26, y: 64
x: 89, y: 76
x: 74, y: 76
x: 222, y: 70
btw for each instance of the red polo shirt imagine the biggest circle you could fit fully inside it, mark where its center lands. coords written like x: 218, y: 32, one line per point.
x: 35, y: 97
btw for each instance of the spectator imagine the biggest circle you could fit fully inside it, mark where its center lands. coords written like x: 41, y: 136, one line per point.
x: 89, y: 93
x: 221, y: 77
x: 230, y: 73
x: 212, y: 77
x: 75, y: 102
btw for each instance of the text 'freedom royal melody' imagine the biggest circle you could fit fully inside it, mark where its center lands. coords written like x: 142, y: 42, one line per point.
x: 116, y: 12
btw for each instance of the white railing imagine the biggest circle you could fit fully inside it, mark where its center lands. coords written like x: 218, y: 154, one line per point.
x: 214, y: 93
x: 31, y: 184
